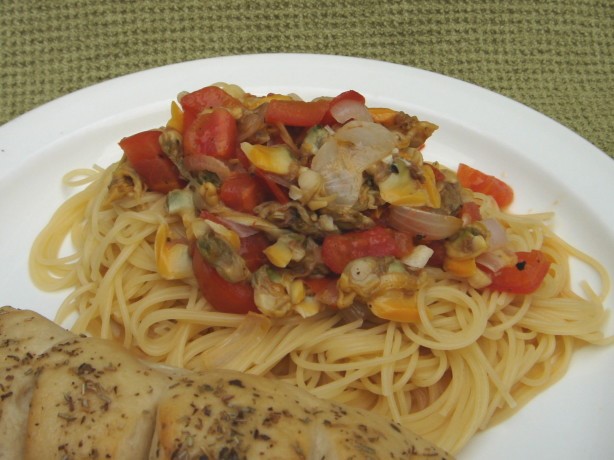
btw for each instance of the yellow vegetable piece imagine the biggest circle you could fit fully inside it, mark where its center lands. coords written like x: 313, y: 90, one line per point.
x: 176, y: 121
x: 309, y: 306
x: 396, y: 305
x: 405, y: 196
x: 276, y: 159
x: 464, y: 268
x: 297, y: 291
x: 279, y: 254
x: 383, y: 116
x: 173, y: 260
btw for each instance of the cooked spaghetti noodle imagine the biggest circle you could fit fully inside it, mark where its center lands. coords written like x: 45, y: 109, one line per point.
x: 473, y: 358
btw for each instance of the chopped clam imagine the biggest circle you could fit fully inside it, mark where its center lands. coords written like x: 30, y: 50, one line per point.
x: 395, y: 305
x: 271, y: 294
x: 469, y: 242
x: 221, y: 254
x: 371, y: 278
x: 400, y: 188
x: 278, y: 294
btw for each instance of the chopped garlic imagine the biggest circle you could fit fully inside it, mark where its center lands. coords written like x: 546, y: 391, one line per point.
x: 419, y: 257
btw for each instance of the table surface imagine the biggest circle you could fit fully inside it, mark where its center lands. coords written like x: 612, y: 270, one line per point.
x: 555, y: 56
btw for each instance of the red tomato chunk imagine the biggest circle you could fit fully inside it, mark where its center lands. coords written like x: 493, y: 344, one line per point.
x: 145, y: 155
x: 524, y: 277
x: 223, y: 295
x: 483, y: 183
x: 339, y: 250
x: 212, y: 133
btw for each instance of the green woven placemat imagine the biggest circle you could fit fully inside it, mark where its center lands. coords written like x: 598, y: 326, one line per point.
x: 555, y: 56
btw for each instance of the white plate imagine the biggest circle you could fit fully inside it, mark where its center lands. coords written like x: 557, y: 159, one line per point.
x: 549, y: 167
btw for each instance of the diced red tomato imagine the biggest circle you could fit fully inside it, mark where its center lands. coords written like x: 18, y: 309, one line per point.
x: 243, y: 191
x: 213, y: 133
x: 209, y: 97
x: 483, y: 183
x: 404, y: 244
x: 188, y: 119
x: 280, y: 194
x: 296, y: 113
x: 439, y: 253
x: 339, y: 250
x: 252, y: 248
x: 350, y: 95
x: 471, y: 211
x: 145, y: 155
x: 277, y: 191
x: 325, y: 289
x: 524, y: 277
x: 345, y: 96
x: 223, y: 295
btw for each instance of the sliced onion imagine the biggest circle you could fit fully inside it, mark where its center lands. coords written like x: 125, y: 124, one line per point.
x: 492, y: 261
x: 207, y: 163
x: 363, y: 143
x: 327, y: 156
x: 250, y: 123
x: 344, y: 184
x: 242, y: 230
x: 498, y: 237
x: 428, y: 224
x: 345, y: 155
x: 348, y: 109
x: 279, y: 180
x: 250, y: 332
x: 250, y: 221
x: 287, y: 138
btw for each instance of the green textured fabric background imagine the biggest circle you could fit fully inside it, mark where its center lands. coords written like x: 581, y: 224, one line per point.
x: 556, y: 56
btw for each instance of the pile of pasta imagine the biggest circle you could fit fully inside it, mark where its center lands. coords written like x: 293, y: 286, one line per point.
x: 472, y: 360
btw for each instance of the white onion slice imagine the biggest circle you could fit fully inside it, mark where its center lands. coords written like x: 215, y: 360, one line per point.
x: 346, y: 110
x: 362, y: 143
x: 242, y: 230
x: 207, y: 163
x: 249, y: 125
x: 492, y: 261
x: 279, y: 180
x: 344, y: 184
x: 345, y: 155
x: 498, y: 237
x: 251, y: 221
x: 428, y: 224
